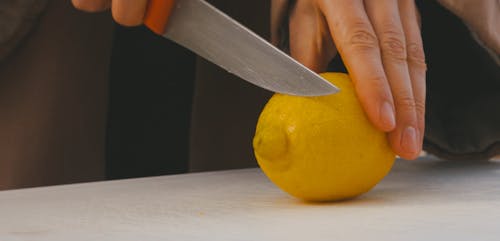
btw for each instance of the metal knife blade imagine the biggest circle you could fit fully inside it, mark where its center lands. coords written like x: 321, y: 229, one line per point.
x: 213, y: 35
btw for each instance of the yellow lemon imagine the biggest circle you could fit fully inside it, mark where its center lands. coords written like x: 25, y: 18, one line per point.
x: 321, y: 148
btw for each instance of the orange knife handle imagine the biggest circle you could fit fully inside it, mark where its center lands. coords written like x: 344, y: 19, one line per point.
x: 157, y: 14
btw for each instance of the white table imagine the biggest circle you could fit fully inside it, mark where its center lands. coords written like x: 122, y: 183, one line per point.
x: 420, y: 200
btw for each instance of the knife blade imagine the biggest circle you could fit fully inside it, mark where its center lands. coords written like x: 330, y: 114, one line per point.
x: 210, y: 33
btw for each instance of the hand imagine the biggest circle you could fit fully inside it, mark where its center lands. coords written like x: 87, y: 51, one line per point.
x: 380, y: 44
x: 125, y: 12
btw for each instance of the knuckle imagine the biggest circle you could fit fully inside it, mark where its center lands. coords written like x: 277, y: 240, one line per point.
x: 406, y: 103
x: 420, y: 106
x: 416, y: 55
x: 361, y: 38
x: 393, y: 46
x: 86, y: 5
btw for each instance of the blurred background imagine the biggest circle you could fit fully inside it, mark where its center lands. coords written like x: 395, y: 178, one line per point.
x: 84, y: 99
x: 68, y: 77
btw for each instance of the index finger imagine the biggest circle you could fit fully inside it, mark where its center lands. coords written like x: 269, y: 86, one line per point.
x: 91, y: 5
x: 357, y: 43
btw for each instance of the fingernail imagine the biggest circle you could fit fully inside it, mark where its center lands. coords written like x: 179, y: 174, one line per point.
x: 409, y: 140
x: 387, y: 115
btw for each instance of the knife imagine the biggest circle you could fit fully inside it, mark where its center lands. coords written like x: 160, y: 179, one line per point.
x: 205, y: 30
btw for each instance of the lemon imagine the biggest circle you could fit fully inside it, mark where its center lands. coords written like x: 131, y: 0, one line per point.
x: 321, y: 148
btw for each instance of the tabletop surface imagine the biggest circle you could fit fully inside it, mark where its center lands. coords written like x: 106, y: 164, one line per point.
x: 420, y: 200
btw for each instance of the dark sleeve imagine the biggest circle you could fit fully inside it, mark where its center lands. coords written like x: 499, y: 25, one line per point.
x: 151, y: 91
x: 463, y: 89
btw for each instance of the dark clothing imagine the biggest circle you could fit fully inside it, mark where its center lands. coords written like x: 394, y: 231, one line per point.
x: 152, y: 89
x: 463, y: 89
x: 151, y: 92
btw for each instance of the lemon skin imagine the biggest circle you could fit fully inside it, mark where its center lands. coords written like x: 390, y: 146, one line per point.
x: 321, y: 148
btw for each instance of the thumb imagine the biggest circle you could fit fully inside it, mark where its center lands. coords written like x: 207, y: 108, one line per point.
x: 310, y: 41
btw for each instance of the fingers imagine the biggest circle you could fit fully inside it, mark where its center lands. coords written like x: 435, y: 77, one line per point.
x: 385, y: 19
x: 91, y: 5
x: 381, y: 46
x: 415, y: 58
x: 125, y: 12
x: 129, y: 12
x: 358, y: 45
x: 310, y: 41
